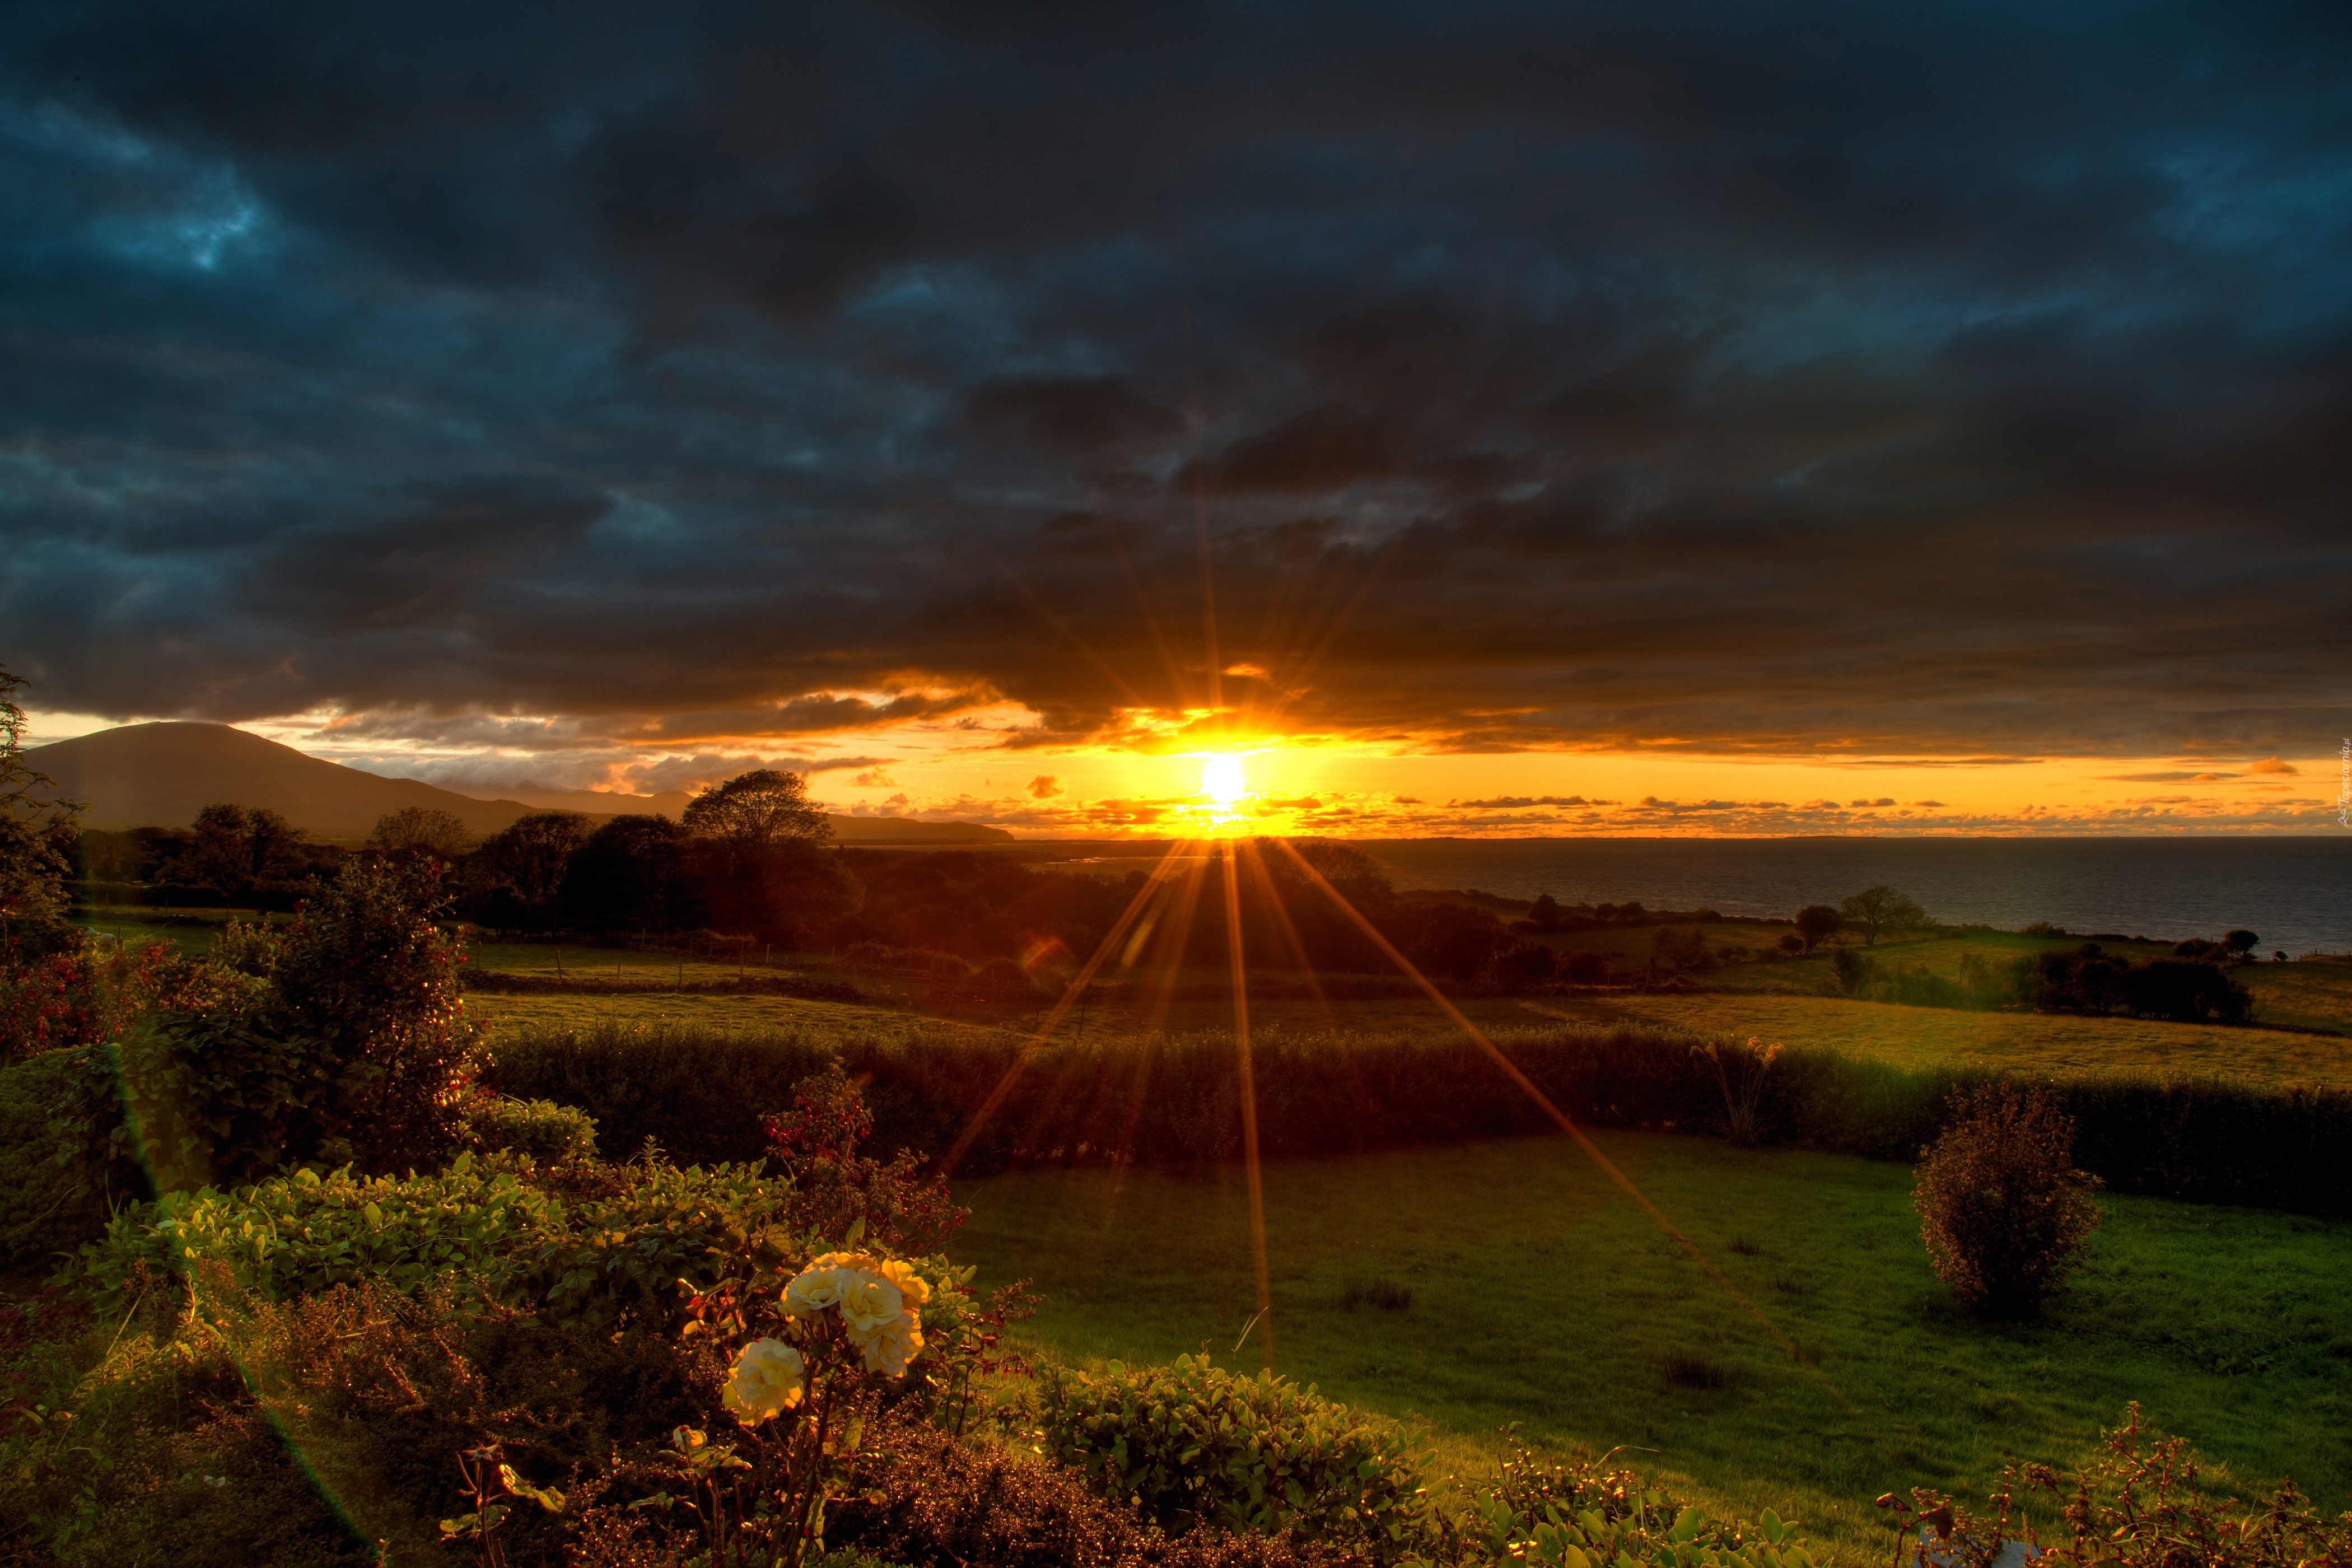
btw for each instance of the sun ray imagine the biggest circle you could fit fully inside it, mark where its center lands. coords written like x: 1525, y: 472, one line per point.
x: 1292, y: 945
x: 1566, y: 1124
x: 1179, y: 939
x: 1255, y: 1172
x: 1036, y: 1042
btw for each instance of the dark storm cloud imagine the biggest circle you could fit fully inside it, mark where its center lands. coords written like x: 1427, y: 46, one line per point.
x: 1954, y: 382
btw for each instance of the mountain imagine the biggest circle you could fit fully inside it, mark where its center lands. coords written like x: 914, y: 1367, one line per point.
x: 161, y: 775
x: 591, y: 802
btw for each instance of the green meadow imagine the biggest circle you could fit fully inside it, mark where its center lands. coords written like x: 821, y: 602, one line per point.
x: 1810, y: 1361
x: 1772, y: 1337
x: 1833, y: 1367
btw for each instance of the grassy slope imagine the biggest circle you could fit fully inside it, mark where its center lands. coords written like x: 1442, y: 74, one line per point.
x: 2052, y: 1043
x: 1540, y: 1294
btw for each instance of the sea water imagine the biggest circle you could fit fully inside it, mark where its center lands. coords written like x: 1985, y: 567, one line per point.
x: 2294, y: 893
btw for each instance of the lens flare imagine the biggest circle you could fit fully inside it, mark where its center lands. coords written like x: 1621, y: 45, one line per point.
x: 1221, y: 780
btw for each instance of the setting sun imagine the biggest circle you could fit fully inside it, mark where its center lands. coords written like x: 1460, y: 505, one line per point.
x: 1221, y: 780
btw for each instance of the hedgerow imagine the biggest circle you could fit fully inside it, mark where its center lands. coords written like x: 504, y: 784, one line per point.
x: 1177, y: 1100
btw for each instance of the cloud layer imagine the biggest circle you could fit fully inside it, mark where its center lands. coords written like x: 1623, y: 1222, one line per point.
x: 1957, y: 382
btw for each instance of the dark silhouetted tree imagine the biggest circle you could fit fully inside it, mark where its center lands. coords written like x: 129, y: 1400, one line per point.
x: 1453, y: 942
x: 1677, y: 947
x: 1879, y: 911
x: 757, y: 811
x: 1816, y: 923
x: 419, y: 830
x: 1523, y: 964
x: 218, y: 856
x: 632, y: 875
x: 529, y: 855
x: 2241, y: 943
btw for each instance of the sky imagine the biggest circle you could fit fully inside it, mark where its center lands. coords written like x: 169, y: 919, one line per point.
x: 1477, y: 418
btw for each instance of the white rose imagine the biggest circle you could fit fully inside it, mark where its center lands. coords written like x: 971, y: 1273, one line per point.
x: 911, y: 1285
x: 890, y: 1346
x: 868, y: 1301
x: 813, y: 1289
x: 766, y: 1381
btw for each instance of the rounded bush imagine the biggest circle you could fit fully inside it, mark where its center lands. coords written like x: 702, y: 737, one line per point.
x: 2004, y: 1211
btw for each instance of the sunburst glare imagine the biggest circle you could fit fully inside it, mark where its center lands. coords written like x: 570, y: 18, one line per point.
x: 1223, y: 780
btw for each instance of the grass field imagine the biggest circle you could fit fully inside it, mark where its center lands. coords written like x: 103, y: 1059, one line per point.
x: 2058, y: 1044
x: 2053, y: 1044
x: 1540, y: 1294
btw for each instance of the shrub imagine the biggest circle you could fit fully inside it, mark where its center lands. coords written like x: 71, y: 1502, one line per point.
x: 1196, y: 1445
x: 835, y: 1189
x: 539, y: 1128
x: 1675, y: 948
x: 2138, y: 1504
x: 923, y: 1498
x: 2003, y: 1211
x: 1522, y: 964
x: 1587, y: 966
x: 1578, y: 1510
x: 51, y: 1198
x: 613, y: 1254
x: 364, y: 965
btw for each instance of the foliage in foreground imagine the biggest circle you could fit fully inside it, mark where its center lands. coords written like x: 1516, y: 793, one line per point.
x: 1192, y: 1445
x: 2137, y: 1504
x: 2003, y: 1211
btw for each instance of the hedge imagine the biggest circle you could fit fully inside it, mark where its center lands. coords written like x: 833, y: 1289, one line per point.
x: 1176, y: 1101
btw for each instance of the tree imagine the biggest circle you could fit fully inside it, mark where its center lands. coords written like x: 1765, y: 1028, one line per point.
x: 273, y: 845
x: 1881, y: 910
x: 757, y: 810
x: 416, y: 830
x: 352, y: 1045
x: 37, y: 834
x: 2241, y: 943
x: 1816, y: 923
x: 217, y: 857
x: 630, y: 875
x: 529, y: 855
x: 1677, y: 947
x: 2003, y: 1211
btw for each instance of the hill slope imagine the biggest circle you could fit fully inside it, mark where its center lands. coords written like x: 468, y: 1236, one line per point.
x: 161, y: 775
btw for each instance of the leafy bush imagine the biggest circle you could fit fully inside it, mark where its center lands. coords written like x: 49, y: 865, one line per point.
x: 336, y: 1040
x: 835, y: 1189
x: 1196, y: 1444
x: 923, y: 1498
x: 611, y: 1253
x: 2137, y: 1505
x: 51, y: 1199
x: 364, y: 965
x: 2004, y: 1213
x: 1579, y: 1513
x: 539, y: 1128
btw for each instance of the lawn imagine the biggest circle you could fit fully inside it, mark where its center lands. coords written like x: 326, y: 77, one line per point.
x: 1539, y: 1294
x: 2043, y: 1043
x: 724, y: 1011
